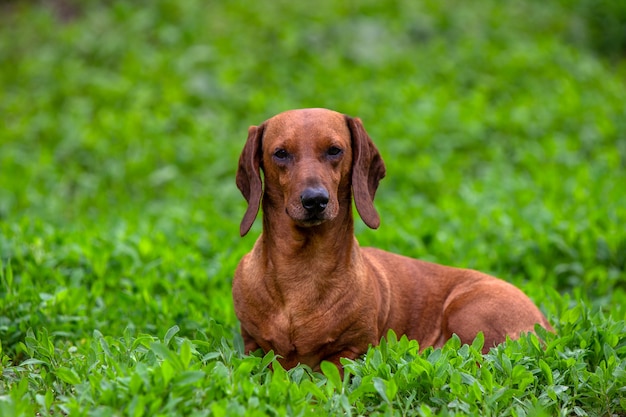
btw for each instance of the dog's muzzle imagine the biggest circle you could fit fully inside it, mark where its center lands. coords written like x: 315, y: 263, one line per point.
x: 314, y: 200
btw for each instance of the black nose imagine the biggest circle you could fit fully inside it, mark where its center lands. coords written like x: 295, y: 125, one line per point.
x: 314, y: 199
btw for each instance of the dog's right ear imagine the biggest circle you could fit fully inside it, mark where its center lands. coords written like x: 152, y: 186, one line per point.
x: 249, y: 176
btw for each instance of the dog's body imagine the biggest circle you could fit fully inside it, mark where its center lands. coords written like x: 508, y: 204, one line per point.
x: 308, y: 291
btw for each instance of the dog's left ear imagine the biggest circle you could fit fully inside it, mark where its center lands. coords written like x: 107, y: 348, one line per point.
x: 367, y: 171
x: 249, y: 176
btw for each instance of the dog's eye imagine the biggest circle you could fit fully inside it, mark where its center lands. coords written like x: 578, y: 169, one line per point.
x: 334, y: 151
x: 281, y: 154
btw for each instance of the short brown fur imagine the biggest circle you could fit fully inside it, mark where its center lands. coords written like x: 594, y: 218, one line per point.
x: 308, y: 291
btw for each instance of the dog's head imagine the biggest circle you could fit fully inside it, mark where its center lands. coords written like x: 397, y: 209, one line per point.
x: 311, y: 160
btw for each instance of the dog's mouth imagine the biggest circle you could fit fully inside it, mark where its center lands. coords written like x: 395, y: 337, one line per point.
x: 309, y: 218
x: 305, y: 219
x: 311, y: 221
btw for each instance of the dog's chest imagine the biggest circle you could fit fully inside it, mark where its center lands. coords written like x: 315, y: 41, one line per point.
x: 296, y: 336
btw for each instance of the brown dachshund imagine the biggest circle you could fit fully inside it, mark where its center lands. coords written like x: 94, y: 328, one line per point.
x: 308, y: 291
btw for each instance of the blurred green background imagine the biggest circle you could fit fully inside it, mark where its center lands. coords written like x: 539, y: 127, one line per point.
x: 502, y: 124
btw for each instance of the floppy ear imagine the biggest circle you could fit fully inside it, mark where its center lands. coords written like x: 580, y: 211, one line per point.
x: 367, y: 171
x: 249, y: 176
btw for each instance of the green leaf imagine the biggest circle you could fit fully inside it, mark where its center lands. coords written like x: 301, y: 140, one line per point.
x: 32, y: 361
x: 170, y: 359
x: 268, y: 358
x: 171, y: 332
x: 167, y: 372
x: 6, y: 274
x: 486, y: 378
x: 238, y: 343
x: 189, y: 377
x: 361, y: 387
x: 479, y: 342
x: 506, y: 364
x: 331, y: 372
x: 103, y: 343
x: 67, y: 375
x: 386, y: 389
x: 547, y: 372
x: 185, y: 353
x: 381, y: 388
x: 309, y: 387
x: 392, y: 338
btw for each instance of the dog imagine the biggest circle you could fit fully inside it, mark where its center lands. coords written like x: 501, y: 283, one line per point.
x: 308, y: 291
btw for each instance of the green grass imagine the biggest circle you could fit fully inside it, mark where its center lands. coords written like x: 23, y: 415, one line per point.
x: 503, y: 127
